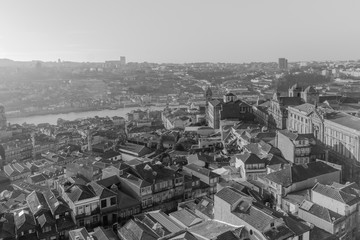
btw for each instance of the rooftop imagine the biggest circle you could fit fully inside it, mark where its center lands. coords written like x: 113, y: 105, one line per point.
x: 299, y: 173
x: 338, y: 193
x: 211, y: 229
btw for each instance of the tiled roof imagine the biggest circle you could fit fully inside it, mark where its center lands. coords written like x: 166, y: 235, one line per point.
x: 336, y: 193
x: 237, y: 102
x: 109, y: 181
x: 229, y: 235
x: 125, y: 201
x: 201, y: 170
x: 15, y: 169
x: 182, y: 236
x: 56, y: 206
x: 155, y: 172
x: 306, y: 107
x: 186, y: 217
x: 165, y: 221
x: 320, y: 211
x: 36, y: 202
x: 216, y: 102
x: 250, y: 158
x: 281, y: 232
x: 140, y: 150
x: 65, y: 223
x: 344, y: 119
x: 45, y: 218
x: 299, y: 173
x: 275, y: 159
x: 296, y: 225
x: 110, y: 154
x: 295, y: 135
x: 230, y: 195
x: 258, y: 217
x: 135, y: 230
x: 297, y: 197
x: 104, y: 234
x: 100, y: 190
x: 130, y: 178
x: 211, y: 229
x: 79, y: 192
x: 82, y: 233
x: 38, y: 178
x: 24, y: 221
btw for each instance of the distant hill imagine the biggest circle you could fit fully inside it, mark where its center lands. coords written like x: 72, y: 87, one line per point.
x: 4, y: 62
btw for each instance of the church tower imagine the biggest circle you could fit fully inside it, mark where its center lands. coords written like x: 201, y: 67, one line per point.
x: 208, y: 98
x: 208, y: 95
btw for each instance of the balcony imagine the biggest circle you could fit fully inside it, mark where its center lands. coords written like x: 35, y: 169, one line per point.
x: 86, y: 214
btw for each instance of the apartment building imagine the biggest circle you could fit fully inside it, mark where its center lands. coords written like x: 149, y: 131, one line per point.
x: 338, y: 132
x: 333, y: 208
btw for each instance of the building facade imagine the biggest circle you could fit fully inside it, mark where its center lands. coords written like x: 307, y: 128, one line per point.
x: 338, y: 132
x: 228, y: 108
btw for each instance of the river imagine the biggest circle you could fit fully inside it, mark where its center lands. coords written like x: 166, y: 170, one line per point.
x: 52, y: 118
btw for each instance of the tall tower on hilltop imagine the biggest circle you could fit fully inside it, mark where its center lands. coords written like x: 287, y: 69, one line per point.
x: 2, y: 117
x: 122, y: 60
x: 283, y: 63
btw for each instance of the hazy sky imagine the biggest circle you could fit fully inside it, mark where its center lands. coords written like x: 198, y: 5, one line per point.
x: 180, y: 30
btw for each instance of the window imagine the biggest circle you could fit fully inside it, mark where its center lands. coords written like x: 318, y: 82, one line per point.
x: 80, y: 210
x: 81, y: 222
x: 94, y: 206
x: 300, y: 237
x: 112, y: 201
x: 103, y: 203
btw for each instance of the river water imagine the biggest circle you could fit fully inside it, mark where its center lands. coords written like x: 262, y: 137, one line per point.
x: 52, y: 118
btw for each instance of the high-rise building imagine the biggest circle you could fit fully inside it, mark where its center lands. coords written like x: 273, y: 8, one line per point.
x: 283, y: 63
x: 122, y: 60
x: 2, y: 117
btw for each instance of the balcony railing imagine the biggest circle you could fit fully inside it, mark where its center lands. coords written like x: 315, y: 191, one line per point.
x: 84, y: 214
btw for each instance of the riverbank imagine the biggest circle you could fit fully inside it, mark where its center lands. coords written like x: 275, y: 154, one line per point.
x: 67, y: 110
x: 10, y: 115
x: 52, y: 118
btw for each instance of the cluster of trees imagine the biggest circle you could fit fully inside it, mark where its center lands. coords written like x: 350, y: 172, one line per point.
x: 305, y: 79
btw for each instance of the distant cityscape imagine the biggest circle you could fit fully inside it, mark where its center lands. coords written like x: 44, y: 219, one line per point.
x: 238, y: 151
x: 36, y: 88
